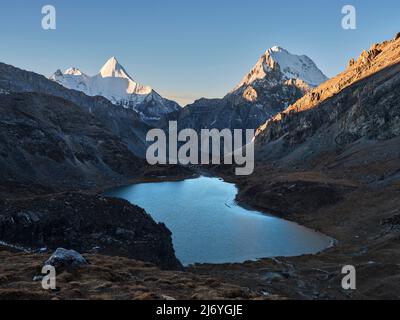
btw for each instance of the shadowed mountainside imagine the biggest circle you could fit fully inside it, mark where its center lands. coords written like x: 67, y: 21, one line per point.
x: 50, y: 142
x: 124, y: 123
x: 48, y: 145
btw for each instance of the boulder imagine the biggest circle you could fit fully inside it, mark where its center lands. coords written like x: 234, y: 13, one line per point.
x: 63, y: 258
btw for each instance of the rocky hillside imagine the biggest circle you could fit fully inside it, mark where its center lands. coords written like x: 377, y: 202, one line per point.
x: 357, y: 108
x: 89, y: 224
x: 278, y: 79
x: 124, y: 123
x: 49, y: 144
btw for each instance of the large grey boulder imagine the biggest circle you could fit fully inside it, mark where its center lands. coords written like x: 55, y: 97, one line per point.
x: 63, y: 258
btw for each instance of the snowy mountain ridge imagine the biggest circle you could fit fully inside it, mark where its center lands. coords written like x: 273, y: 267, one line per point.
x: 290, y: 66
x: 115, y: 84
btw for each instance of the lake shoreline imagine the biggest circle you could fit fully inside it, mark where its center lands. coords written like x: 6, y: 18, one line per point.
x: 265, y: 236
x: 354, y: 219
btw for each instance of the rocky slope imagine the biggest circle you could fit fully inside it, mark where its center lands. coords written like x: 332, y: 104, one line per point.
x: 115, y: 84
x: 340, y: 137
x: 277, y: 80
x: 124, y: 123
x: 86, y: 223
x: 51, y: 143
x: 358, y: 107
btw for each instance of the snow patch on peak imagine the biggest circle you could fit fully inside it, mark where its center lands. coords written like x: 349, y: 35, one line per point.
x: 112, y: 68
x: 73, y: 71
x: 276, y: 49
x: 282, y: 66
x: 296, y: 66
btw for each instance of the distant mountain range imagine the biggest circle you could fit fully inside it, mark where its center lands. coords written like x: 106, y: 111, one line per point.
x: 128, y: 109
x: 267, y: 99
x: 115, y: 84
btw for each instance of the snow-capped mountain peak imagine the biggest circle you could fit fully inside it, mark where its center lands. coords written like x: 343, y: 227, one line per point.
x: 112, y: 68
x: 73, y: 72
x: 298, y: 67
x: 276, y: 49
x: 290, y: 66
x: 115, y: 84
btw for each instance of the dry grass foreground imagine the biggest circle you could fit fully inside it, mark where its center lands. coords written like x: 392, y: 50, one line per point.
x: 109, y: 278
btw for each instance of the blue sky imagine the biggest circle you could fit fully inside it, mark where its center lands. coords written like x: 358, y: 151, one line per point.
x: 188, y: 49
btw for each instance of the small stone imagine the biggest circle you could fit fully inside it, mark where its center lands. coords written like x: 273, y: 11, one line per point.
x: 37, y: 278
x: 273, y: 276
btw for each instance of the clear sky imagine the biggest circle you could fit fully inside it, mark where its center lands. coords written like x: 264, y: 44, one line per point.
x: 188, y: 49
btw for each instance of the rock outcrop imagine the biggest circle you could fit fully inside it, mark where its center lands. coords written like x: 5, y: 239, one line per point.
x: 88, y: 224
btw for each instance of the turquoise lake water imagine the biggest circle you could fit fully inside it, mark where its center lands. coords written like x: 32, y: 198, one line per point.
x: 209, y: 227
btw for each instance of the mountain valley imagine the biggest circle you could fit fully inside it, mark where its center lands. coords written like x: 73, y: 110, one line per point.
x: 327, y: 156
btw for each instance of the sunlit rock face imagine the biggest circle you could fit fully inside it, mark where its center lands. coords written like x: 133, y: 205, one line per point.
x: 351, y: 111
